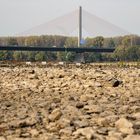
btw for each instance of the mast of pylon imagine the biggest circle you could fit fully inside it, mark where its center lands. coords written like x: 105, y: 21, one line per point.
x: 80, y: 27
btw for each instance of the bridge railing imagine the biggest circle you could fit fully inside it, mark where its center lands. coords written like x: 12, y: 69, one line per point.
x: 56, y: 49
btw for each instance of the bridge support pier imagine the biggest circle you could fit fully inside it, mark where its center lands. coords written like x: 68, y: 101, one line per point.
x: 80, y: 58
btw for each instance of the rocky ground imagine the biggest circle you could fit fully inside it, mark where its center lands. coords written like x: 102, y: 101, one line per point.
x: 69, y: 103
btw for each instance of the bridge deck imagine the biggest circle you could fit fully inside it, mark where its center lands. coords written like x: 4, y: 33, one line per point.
x: 78, y: 50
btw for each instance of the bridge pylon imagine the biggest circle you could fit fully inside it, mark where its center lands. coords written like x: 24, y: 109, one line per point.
x: 80, y: 56
x: 80, y: 27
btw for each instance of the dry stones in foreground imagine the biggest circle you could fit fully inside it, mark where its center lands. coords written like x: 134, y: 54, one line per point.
x: 69, y: 103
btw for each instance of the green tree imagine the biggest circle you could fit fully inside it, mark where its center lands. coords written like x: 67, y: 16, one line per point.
x: 131, y: 53
x: 71, y: 42
x: 95, y: 42
x: 12, y: 41
x: 126, y: 41
x: 66, y: 56
x: 99, y: 41
x: 29, y: 56
x: 3, y: 55
x: 40, y: 56
x: 120, y: 53
x: 18, y: 56
x: 93, y: 57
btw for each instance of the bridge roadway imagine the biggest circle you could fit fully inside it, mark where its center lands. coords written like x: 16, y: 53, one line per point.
x: 56, y: 49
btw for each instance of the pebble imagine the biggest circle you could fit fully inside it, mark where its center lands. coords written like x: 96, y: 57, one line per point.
x: 87, y: 132
x: 124, y: 126
x: 69, y: 102
x: 132, y: 137
x: 55, y: 115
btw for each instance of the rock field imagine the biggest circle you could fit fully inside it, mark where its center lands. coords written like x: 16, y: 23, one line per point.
x: 69, y: 103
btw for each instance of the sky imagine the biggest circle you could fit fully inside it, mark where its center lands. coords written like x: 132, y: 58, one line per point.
x: 20, y: 15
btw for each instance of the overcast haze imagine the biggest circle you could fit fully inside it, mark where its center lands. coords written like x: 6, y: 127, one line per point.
x: 19, y: 15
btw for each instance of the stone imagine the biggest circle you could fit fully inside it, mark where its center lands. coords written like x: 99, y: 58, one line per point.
x: 86, y: 97
x: 32, y: 72
x: 66, y: 131
x: 61, y: 76
x: 97, y: 84
x: 15, y: 138
x: 113, y: 138
x: 29, y: 122
x: 29, y: 63
x: 67, y: 100
x: 61, y: 63
x: 78, y: 64
x: 114, y: 82
x: 33, y: 76
x: 93, y: 109
x: 34, y: 132
x: 102, y: 121
x: 81, y: 124
x: 136, y: 116
x: 137, y: 125
x: 47, y: 136
x: 52, y: 127
x: 132, y: 137
x: 64, y: 122
x: 113, y: 135
x: 25, y: 135
x: 2, y: 138
x: 55, y: 115
x: 79, y: 105
x: 88, y: 132
x: 124, y: 126
x: 44, y: 63
x: 103, y: 131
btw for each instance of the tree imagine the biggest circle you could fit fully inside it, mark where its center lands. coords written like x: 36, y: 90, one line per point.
x: 71, y: 42
x: 3, y: 55
x: 109, y: 43
x: 12, y: 41
x: 93, y: 57
x: 66, y: 56
x: 59, y: 41
x: 127, y: 48
x: 29, y: 56
x: 126, y: 41
x: 90, y: 42
x: 32, y: 41
x: 95, y: 42
x: 40, y: 56
x: 120, y: 53
x: 18, y: 56
x: 131, y: 53
x: 99, y: 41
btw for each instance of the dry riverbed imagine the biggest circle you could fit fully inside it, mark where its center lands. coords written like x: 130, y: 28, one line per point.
x: 69, y: 103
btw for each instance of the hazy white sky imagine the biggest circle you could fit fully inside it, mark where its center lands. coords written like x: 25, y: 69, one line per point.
x: 19, y: 15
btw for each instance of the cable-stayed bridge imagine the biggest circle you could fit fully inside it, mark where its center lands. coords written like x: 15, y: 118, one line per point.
x: 68, y: 25
x: 65, y: 25
x: 77, y: 50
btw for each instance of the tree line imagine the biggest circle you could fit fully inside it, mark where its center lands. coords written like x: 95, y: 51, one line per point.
x: 127, y: 48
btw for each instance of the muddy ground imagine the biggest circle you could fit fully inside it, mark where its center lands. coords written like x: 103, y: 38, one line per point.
x: 82, y: 102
